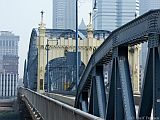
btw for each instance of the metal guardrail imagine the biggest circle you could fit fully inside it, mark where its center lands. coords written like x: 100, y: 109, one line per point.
x: 51, y: 109
x: 72, y: 93
x: 69, y: 100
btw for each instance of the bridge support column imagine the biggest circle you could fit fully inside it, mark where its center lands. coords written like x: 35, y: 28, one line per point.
x: 84, y: 99
x: 120, y: 104
x: 97, y: 104
x: 151, y: 84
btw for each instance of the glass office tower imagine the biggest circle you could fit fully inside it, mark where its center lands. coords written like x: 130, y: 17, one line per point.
x: 111, y: 14
x: 8, y: 64
x: 146, y: 5
x: 64, y: 14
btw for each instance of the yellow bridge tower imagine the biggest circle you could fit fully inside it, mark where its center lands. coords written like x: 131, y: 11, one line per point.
x: 59, y: 46
x: 41, y: 42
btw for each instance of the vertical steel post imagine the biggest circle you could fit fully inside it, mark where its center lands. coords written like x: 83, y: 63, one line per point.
x: 77, y: 66
x: 47, y: 49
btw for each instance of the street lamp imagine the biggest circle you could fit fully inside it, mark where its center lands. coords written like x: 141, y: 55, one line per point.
x: 77, y: 65
x: 47, y: 49
x: 95, y: 5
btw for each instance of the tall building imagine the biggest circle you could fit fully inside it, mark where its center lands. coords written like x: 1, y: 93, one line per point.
x: 64, y: 14
x: 146, y: 5
x: 8, y: 63
x: 111, y: 14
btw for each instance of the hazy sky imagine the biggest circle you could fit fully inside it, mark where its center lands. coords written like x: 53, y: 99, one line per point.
x: 20, y: 16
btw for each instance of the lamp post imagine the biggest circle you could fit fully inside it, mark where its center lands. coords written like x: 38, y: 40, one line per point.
x: 77, y: 65
x: 77, y: 61
x: 95, y: 5
x: 47, y: 49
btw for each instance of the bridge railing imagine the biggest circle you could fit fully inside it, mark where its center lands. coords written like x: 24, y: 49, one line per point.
x: 51, y: 109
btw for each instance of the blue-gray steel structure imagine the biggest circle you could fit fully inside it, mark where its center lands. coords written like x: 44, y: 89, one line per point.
x: 25, y: 75
x: 146, y: 5
x: 47, y: 75
x: 32, y: 62
x: 62, y: 72
x: 119, y: 104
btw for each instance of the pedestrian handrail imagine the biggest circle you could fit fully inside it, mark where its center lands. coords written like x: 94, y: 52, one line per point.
x: 51, y: 109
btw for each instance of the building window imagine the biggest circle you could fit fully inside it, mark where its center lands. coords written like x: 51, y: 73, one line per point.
x: 12, y: 43
x: 9, y: 43
x: 3, y: 43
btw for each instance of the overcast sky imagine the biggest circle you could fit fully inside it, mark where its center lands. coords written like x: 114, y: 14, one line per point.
x: 20, y: 16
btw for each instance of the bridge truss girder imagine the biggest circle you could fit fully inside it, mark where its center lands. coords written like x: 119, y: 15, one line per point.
x: 119, y: 104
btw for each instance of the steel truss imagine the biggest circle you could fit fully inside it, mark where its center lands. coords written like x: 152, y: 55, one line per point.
x: 119, y: 104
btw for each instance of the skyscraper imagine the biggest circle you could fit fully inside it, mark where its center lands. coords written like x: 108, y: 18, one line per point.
x: 111, y: 14
x: 64, y: 14
x: 146, y: 5
x: 8, y: 63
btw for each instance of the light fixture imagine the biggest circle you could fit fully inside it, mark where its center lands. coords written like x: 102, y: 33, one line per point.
x: 95, y: 6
